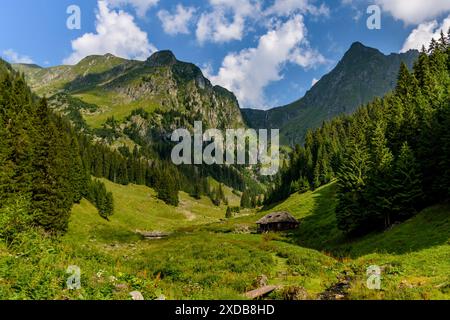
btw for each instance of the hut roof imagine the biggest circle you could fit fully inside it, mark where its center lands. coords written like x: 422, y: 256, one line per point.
x: 276, y: 217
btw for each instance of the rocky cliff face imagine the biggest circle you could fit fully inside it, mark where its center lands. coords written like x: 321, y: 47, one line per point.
x: 179, y: 88
x: 172, y: 88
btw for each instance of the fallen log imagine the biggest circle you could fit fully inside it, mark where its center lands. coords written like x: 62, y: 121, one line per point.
x: 260, y: 292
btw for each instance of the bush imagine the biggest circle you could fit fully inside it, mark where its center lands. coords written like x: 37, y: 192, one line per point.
x: 15, y: 218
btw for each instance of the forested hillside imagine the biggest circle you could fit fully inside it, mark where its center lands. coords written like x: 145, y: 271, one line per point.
x: 391, y: 158
x: 40, y: 160
x: 124, y: 112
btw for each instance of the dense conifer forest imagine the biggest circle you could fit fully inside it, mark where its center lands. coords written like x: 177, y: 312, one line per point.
x: 39, y: 152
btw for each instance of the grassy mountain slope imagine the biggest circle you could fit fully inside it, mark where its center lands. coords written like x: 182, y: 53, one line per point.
x: 318, y: 228
x: 49, y: 81
x: 362, y: 74
x: 414, y: 256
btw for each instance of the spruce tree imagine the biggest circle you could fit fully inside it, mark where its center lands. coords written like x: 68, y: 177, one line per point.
x: 79, y: 177
x: 17, y: 134
x: 379, y: 192
x: 51, y: 194
x: 441, y: 185
x: 167, y: 189
x: 101, y: 198
x: 406, y: 185
x: 228, y: 214
x: 196, y: 191
x: 406, y: 83
x: 353, y: 176
x: 245, y: 199
x: 303, y: 185
x: 108, y: 206
x: 317, y: 176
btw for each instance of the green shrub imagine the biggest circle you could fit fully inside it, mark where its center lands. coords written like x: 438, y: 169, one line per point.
x: 15, y: 218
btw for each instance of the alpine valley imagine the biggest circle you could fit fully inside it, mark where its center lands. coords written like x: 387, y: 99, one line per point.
x: 87, y: 180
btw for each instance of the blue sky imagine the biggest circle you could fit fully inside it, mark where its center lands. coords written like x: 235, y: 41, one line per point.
x: 269, y: 53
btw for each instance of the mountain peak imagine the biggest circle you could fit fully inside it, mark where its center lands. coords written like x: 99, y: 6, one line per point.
x: 357, y: 47
x: 98, y: 58
x: 28, y: 65
x: 358, y: 52
x: 109, y: 56
x: 361, y: 75
x: 162, y: 58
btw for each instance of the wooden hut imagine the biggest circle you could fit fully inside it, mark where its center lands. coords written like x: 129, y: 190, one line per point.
x: 277, y: 221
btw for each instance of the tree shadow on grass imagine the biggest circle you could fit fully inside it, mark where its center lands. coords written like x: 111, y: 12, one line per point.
x: 319, y: 231
x: 430, y: 228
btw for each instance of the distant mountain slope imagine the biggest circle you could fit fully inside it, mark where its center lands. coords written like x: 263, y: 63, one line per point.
x: 362, y: 74
x: 50, y: 80
x: 177, y: 90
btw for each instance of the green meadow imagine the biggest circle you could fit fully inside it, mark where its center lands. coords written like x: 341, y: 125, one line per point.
x: 209, y: 257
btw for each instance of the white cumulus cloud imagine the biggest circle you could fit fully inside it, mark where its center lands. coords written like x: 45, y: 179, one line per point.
x: 226, y: 21
x: 229, y: 20
x: 14, y: 57
x: 422, y: 35
x: 116, y: 33
x: 141, y: 6
x: 177, y: 22
x: 306, y: 58
x: 415, y: 11
x: 248, y: 72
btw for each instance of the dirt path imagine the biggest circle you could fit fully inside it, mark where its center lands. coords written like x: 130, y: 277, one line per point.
x: 183, y: 208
